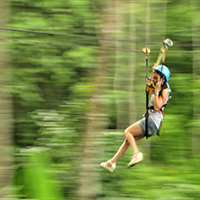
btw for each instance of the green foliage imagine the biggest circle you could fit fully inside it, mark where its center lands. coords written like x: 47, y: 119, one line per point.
x: 34, y: 179
x: 51, y: 89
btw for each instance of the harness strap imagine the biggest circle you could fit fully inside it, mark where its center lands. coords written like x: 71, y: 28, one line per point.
x: 152, y: 108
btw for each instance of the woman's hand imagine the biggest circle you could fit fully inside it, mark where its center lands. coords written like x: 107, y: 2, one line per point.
x: 154, y: 67
x: 158, y: 85
x: 152, y: 74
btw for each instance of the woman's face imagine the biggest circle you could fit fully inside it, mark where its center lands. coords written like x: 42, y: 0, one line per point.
x: 156, y: 78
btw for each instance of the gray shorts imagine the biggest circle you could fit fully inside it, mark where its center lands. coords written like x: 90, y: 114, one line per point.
x: 152, y: 129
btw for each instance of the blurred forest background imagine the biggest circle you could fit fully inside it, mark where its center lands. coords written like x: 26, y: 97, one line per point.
x: 67, y: 97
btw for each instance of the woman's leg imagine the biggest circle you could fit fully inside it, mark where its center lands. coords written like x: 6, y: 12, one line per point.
x: 124, y: 147
x: 132, y: 134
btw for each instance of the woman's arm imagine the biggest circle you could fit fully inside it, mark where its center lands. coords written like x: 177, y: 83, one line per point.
x: 151, y: 77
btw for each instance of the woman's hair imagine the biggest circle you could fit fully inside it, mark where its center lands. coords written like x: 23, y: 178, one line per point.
x: 164, y: 85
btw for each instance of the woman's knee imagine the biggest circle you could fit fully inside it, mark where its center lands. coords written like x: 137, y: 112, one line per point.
x: 126, y: 132
x: 135, y: 130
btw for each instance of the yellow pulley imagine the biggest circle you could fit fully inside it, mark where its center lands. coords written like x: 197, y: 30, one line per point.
x: 146, y: 51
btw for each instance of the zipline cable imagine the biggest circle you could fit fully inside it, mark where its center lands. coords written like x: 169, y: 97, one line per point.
x: 92, y: 47
x: 70, y: 35
x: 92, y: 37
x: 72, y: 45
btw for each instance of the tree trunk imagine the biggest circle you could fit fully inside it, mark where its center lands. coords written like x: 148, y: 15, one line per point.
x: 5, y: 115
x: 90, y: 187
x: 132, y: 64
x: 121, y: 75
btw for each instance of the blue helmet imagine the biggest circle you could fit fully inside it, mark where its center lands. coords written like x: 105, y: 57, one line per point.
x: 163, y: 70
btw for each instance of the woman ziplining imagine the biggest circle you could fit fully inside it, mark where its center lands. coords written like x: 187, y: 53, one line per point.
x: 159, y: 89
